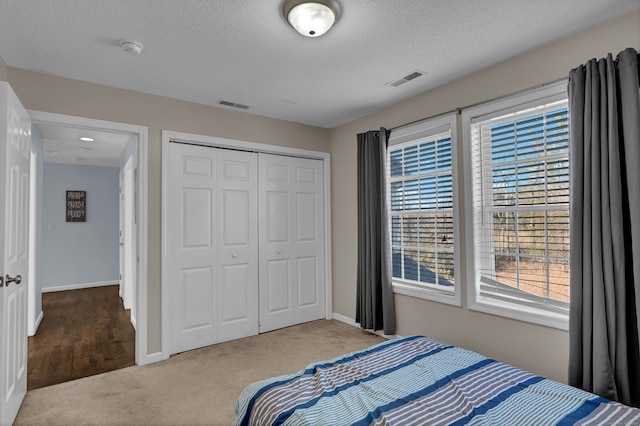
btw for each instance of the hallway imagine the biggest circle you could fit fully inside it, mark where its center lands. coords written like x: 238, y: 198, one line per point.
x: 83, y: 332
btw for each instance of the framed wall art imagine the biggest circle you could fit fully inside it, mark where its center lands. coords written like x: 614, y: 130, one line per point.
x: 76, y: 206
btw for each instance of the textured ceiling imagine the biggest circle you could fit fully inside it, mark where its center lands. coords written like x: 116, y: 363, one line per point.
x: 62, y: 145
x: 244, y: 52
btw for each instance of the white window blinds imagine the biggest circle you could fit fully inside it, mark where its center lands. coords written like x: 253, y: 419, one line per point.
x: 520, y: 190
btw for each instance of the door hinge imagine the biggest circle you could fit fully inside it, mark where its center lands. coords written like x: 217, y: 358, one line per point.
x: 1, y: 281
x: 120, y: 277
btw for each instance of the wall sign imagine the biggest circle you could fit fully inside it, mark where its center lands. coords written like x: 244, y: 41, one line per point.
x: 76, y: 206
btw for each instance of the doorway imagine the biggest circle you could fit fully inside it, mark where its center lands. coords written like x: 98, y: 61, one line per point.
x: 135, y: 165
x: 84, y: 332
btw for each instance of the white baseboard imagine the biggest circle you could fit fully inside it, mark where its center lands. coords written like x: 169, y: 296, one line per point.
x: 151, y: 358
x: 37, y: 323
x: 133, y: 322
x: 345, y: 320
x: 353, y: 323
x: 39, y: 320
x: 78, y: 286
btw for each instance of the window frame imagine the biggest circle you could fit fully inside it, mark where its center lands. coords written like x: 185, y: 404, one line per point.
x: 510, y: 308
x: 412, y: 134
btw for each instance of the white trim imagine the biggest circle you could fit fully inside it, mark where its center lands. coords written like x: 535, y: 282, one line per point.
x: 37, y: 324
x: 154, y: 357
x: 433, y: 295
x: 351, y: 322
x: 411, y: 135
x: 211, y: 141
x: 34, y: 231
x: 346, y: 320
x: 475, y: 302
x: 143, y: 160
x: 328, y: 304
x: 54, y: 288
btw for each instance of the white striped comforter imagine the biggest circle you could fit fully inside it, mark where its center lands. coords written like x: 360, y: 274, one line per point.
x: 417, y: 380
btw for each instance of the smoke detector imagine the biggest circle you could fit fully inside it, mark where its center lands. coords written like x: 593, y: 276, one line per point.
x: 131, y: 46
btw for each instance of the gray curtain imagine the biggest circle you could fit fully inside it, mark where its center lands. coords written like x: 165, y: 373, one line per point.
x: 604, y: 120
x: 375, y: 308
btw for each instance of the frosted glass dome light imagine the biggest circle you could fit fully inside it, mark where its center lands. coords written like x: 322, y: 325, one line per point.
x: 311, y: 18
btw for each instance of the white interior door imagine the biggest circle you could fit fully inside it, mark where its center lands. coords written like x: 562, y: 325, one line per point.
x: 211, y: 245
x: 291, y: 203
x: 15, y: 148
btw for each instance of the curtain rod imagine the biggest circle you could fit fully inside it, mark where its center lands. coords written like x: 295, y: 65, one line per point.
x: 497, y: 98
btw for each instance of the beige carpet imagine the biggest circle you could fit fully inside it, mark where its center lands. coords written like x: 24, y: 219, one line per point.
x: 195, y: 387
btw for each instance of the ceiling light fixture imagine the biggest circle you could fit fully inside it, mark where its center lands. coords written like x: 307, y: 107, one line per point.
x: 87, y: 139
x: 311, y: 18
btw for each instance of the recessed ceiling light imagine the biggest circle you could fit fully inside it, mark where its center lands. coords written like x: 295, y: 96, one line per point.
x: 87, y: 139
x: 76, y: 159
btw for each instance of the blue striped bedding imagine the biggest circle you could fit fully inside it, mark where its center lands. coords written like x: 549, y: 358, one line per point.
x: 421, y: 381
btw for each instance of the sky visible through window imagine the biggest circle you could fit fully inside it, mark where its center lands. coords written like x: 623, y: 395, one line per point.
x: 528, y: 184
x: 421, y: 193
x: 530, y: 217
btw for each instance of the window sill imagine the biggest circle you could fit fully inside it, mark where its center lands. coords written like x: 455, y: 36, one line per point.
x: 449, y: 298
x: 521, y: 313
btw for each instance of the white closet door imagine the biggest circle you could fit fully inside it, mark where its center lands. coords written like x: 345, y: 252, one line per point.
x: 237, y: 244
x: 211, y: 245
x: 291, y: 203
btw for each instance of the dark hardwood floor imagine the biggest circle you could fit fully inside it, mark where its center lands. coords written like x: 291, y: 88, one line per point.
x: 83, y: 332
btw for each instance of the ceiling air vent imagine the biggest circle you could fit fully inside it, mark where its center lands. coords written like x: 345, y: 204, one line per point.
x: 406, y: 78
x: 233, y: 104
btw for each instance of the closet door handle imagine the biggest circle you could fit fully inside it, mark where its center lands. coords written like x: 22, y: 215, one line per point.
x: 278, y: 251
x: 234, y: 255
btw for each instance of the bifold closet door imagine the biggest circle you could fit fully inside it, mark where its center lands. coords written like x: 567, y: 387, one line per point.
x: 292, y: 274
x: 212, y: 245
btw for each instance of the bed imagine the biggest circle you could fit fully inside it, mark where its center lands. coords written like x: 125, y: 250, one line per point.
x: 418, y: 380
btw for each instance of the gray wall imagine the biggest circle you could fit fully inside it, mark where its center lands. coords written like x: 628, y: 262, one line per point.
x: 3, y: 69
x: 80, y: 252
x: 49, y: 93
x: 536, y: 348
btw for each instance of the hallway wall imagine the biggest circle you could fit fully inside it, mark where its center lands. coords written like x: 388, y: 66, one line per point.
x: 80, y: 254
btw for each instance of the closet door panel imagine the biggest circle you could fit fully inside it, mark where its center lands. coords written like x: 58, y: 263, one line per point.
x: 276, y: 279
x: 191, y: 251
x: 238, y: 245
x: 291, y: 230
x: 212, y: 245
x: 309, y: 248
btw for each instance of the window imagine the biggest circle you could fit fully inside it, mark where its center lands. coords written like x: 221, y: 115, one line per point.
x: 422, y: 210
x: 518, y: 184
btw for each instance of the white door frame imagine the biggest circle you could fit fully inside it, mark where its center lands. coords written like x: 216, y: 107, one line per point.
x: 216, y: 142
x: 121, y: 236
x: 33, y: 318
x: 142, y: 357
x: 127, y: 228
